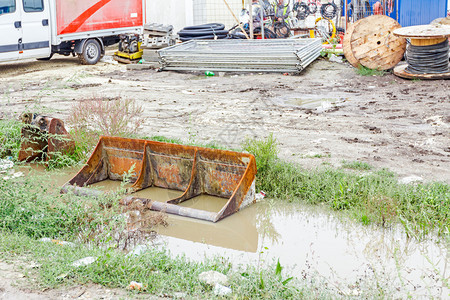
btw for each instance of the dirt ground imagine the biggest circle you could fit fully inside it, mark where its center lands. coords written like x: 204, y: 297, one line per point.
x: 326, y: 114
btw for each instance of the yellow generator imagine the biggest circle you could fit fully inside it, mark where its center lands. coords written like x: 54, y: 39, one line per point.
x: 129, y: 49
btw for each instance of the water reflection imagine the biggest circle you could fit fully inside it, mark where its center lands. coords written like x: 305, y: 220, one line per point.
x: 309, y: 241
x: 236, y: 232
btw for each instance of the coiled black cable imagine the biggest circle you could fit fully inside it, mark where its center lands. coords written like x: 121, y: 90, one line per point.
x: 329, y: 10
x: 302, y: 10
x: 203, y: 32
x: 281, y: 29
x: 432, y: 59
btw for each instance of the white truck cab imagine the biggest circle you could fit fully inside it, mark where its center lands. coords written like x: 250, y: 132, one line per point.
x: 41, y: 28
x: 24, y: 29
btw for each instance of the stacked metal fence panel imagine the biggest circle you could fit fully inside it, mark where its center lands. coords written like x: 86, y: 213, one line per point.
x: 241, y: 55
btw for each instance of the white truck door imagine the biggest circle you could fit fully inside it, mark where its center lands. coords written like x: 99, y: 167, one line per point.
x: 35, y: 29
x: 10, y: 30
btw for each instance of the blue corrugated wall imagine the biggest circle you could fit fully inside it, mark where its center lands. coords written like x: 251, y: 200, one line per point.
x: 414, y: 12
x: 421, y: 12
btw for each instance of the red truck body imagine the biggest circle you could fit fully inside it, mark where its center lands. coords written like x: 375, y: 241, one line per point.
x: 75, y: 16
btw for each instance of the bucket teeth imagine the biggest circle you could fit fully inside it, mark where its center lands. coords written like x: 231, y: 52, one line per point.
x: 192, y: 170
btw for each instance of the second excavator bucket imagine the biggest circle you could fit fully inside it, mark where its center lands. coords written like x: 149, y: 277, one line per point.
x: 190, y: 171
x: 43, y: 137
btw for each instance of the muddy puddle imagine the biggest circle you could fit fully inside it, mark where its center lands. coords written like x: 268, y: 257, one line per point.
x: 317, y: 103
x: 308, y: 241
x: 311, y: 242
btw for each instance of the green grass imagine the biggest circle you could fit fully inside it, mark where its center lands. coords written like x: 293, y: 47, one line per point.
x: 164, y: 275
x: 377, y: 197
x: 356, y: 165
x: 10, y: 138
x: 159, y: 272
x: 364, y: 71
x: 317, y: 155
x: 32, y: 206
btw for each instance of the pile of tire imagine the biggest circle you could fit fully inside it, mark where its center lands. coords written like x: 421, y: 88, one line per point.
x: 210, y: 31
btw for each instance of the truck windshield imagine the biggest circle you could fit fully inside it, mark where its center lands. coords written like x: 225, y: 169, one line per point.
x: 33, y: 5
x: 7, y: 6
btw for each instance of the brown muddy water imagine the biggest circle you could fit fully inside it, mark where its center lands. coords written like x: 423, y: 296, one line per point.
x: 203, y: 202
x: 310, y: 242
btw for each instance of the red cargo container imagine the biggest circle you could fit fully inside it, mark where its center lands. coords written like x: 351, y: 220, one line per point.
x: 39, y: 29
x: 74, y: 16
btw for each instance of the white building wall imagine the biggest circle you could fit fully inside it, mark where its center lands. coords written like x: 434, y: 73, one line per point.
x: 216, y: 11
x: 177, y: 13
x: 182, y: 13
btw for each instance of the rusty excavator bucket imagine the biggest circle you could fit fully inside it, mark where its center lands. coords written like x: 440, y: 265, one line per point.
x: 189, y: 171
x: 43, y: 136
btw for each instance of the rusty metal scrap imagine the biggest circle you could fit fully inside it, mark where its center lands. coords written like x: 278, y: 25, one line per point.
x: 194, y: 170
x: 43, y: 136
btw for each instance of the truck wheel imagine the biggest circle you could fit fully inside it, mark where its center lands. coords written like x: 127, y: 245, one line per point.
x: 92, y: 52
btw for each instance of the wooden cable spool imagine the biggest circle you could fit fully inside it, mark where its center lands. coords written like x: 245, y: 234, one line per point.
x: 346, y: 46
x: 370, y: 42
x: 423, y: 35
x: 443, y: 21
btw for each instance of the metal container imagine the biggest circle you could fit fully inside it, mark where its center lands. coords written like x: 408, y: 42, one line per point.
x: 194, y: 171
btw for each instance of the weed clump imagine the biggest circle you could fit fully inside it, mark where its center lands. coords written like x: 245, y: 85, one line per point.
x: 92, y: 118
x: 265, y: 152
x: 377, y: 197
x: 364, y: 71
